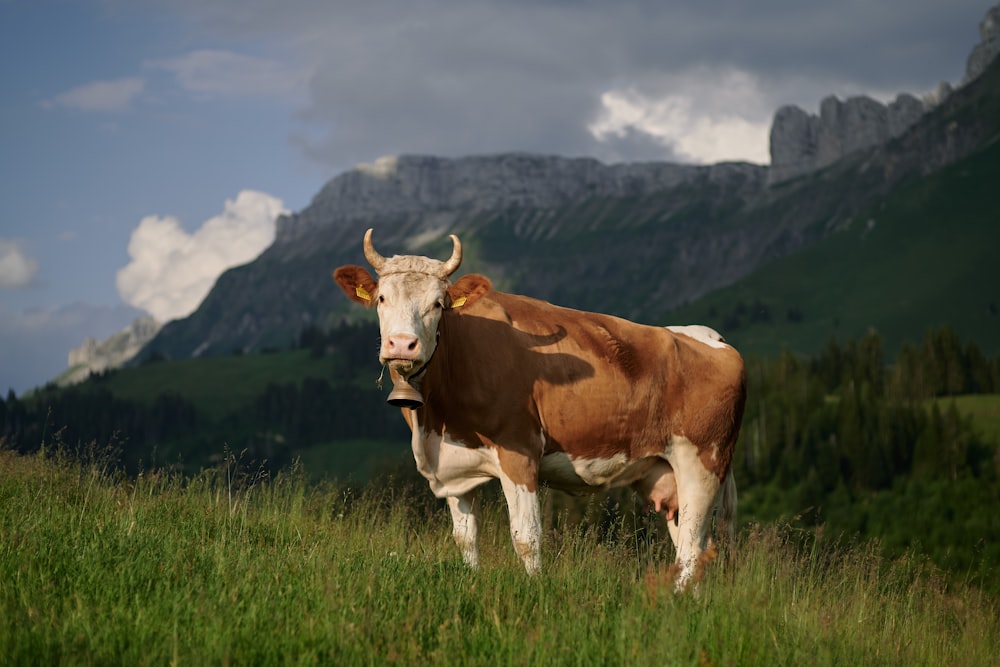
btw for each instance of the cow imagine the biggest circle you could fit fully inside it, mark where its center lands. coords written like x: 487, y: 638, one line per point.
x: 501, y: 386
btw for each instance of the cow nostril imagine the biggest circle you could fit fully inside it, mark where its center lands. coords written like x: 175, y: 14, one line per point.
x: 403, y: 345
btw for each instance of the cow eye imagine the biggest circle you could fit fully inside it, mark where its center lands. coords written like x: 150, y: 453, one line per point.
x: 381, y: 299
x: 439, y: 305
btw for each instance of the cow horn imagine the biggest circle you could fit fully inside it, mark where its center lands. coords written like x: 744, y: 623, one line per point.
x: 456, y: 257
x: 376, y: 260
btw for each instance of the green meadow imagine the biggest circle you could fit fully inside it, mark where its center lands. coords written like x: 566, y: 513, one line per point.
x: 237, y: 566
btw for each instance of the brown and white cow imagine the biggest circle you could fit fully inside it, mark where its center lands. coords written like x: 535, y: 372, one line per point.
x: 514, y: 388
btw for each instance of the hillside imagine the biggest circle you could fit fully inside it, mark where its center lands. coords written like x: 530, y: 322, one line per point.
x: 923, y: 257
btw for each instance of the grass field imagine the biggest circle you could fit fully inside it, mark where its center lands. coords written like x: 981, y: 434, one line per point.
x: 219, y: 385
x: 982, y: 409
x: 231, y: 568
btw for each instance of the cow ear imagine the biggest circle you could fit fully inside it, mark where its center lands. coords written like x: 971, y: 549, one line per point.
x: 357, y: 283
x: 468, y: 289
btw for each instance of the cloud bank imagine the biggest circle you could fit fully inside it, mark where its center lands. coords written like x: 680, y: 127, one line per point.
x: 204, y: 72
x: 171, y: 271
x: 636, y: 80
x: 217, y: 72
x: 17, y: 269
x: 101, y: 96
x: 701, y: 115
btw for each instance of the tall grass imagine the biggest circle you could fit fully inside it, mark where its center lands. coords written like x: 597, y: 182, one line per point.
x: 233, y: 567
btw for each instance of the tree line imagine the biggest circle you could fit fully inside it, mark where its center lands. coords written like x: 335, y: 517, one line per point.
x: 844, y: 416
x: 847, y: 417
x: 282, y: 420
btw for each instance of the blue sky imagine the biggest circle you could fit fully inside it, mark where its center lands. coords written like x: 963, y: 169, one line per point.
x: 146, y: 145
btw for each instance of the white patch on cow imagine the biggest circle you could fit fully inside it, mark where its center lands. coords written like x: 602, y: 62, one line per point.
x: 702, y: 334
x: 465, y: 526
x: 451, y: 468
x: 561, y: 471
x: 409, y: 309
x: 454, y: 471
x: 697, y: 492
x: 525, y: 523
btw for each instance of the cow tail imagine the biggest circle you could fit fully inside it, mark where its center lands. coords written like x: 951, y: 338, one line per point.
x: 727, y: 509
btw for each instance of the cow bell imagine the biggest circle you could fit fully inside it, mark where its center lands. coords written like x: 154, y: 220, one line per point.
x: 404, y: 394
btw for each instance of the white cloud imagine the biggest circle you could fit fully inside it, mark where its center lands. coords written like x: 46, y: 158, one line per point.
x: 227, y: 73
x: 17, y: 269
x: 171, y: 271
x: 109, y: 96
x: 703, y: 116
x: 205, y: 71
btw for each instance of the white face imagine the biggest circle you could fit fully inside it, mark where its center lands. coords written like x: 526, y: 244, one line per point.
x: 409, y: 310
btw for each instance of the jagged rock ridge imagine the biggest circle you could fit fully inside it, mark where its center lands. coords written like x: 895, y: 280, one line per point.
x: 415, y: 186
x: 989, y: 45
x: 96, y: 356
x: 802, y: 143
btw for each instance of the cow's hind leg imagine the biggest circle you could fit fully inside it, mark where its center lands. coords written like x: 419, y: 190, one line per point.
x: 465, y: 525
x: 697, y: 490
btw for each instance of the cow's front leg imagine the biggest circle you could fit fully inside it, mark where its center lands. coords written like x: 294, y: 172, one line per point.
x: 465, y: 525
x: 519, y: 480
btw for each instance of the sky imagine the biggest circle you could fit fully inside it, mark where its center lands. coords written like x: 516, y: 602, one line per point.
x: 148, y: 145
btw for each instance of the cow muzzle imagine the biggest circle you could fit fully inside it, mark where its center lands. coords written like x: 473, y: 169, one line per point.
x: 403, y: 356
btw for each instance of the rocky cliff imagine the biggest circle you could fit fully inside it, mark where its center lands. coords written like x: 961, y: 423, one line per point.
x: 96, y: 356
x: 802, y: 142
x: 989, y: 45
x: 433, y: 193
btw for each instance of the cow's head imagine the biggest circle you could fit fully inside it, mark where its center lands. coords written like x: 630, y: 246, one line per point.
x: 410, y: 295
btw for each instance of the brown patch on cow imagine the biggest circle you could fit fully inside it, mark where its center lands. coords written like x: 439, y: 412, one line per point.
x: 619, y: 351
x: 709, y: 387
x: 356, y: 283
x: 596, y: 385
x: 520, y: 467
x: 468, y: 289
x: 509, y: 368
x: 482, y: 387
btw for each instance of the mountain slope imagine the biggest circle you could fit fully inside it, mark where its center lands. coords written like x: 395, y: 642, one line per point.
x: 632, y: 240
x: 922, y: 258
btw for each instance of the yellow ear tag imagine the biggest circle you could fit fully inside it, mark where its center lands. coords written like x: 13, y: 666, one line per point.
x: 459, y: 302
x: 362, y: 293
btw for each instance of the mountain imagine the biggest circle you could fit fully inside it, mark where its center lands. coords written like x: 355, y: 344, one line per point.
x: 922, y: 258
x: 802, y: 143
x: 496, y: 203
x: 637, y: 240
x: 94, y: 356
x: 988, y: 47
